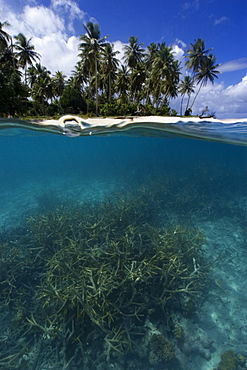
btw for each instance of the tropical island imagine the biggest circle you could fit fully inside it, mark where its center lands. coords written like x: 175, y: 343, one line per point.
x: 100, y: 84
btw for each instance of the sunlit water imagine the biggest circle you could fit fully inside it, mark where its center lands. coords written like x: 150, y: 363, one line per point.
x: 189, y: 183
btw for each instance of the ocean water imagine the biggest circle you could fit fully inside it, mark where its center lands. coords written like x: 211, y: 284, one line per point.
x: 123, y: 251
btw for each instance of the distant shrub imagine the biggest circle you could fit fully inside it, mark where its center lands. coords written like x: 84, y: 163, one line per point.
x: 71, y: 101
x: 188, y: 112
x: 108, y: 109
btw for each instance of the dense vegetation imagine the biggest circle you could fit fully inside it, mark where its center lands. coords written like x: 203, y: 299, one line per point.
x: 144, y: 84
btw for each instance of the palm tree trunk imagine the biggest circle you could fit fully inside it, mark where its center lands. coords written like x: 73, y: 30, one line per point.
x: 96, y: 87
x: 147, y: 95
x: 25, y: 75
x: 181, y: 106
x: 188, y: 102
x: 109, y: 88
x: 189, y: 95
x: 196, y: 95
x: 158, y: 98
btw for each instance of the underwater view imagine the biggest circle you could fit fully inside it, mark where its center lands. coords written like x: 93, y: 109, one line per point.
x: 123, y: 250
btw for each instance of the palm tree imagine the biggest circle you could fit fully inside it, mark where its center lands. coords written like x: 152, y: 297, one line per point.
x: 165, y: 73
x: 31, y: 76
x: 26, y: 54
x: 151, y: 54
x: 202, y: 65
x: 195, y: 55
x: 8, y: 56
x: 42, y: 84
x: 37, y: 72
x: 123, y: 83
x: 149, y: 60
x: 58, y: 83
x: 109, y: 68
x: 137, y: 81
x: 186, y: 87
x: 91, y: 47
x: 134, y: 53
x: 206, y: 72
x: 5, y: 38
x: 43, y: 91
x: 79, y: 76
x: 172, y: 80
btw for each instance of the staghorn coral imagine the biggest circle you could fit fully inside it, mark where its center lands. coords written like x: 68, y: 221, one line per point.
x: 95, y: 270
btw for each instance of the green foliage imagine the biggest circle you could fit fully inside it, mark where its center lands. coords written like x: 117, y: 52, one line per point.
x: 188, y: 112
x: 173, y: 112
x: 163, y: 111
x: 71, y: 101
x: 108, y: 109
x: 13, y: 93
x: 116, y: 108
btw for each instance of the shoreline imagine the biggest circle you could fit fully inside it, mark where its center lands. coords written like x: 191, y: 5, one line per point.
x: 230, y: 130
x: 62, y: 121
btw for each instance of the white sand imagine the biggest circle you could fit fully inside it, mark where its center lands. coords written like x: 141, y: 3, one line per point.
x: 124, y: 122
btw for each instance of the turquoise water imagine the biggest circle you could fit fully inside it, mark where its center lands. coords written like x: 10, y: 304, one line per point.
x: 74, y: 210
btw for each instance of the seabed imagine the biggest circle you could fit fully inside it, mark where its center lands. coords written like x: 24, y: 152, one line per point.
x: 136, y: 268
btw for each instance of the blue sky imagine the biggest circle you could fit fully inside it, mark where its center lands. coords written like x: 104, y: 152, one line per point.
x: 55, y: 26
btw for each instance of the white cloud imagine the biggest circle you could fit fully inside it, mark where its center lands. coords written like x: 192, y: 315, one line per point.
x: 220, y: 20
x: 32, y: 21
x: 239, y: 91
x: 40, y: 21
x: 71, y: 8
x: 233, y: 65
x: 58, y: 54
x: 178, y: 52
